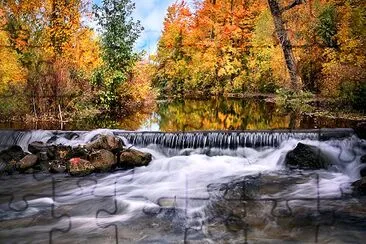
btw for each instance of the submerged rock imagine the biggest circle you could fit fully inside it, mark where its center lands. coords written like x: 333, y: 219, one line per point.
x: 134, y: 158
x: 306, y: 157
x: 80, y: 167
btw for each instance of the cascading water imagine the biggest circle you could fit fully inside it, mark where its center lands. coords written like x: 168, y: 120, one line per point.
x: 202, y: 187
x: 179, y: 140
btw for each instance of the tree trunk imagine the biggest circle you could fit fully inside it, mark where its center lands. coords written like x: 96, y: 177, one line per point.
x: 285, y: 43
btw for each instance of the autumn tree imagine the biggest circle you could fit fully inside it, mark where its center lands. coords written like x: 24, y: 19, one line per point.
x: 205, y: 51
x: 277, y: 13
x: 55, y: 50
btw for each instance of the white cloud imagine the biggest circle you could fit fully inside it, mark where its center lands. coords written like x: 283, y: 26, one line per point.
x: 151, y: 13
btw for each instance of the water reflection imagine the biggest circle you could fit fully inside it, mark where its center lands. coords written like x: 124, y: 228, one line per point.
x: 214, y: 114
x: 232, y: 114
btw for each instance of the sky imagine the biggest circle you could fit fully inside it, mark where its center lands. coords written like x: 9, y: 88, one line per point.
x: 151, y: 14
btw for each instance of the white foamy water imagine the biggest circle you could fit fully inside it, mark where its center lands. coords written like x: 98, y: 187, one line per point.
x: 181, y: 180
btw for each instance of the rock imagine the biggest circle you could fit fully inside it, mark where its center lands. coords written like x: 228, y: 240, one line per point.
x: 103, y: 160
x: 363, y: 159
x: 12, y: 153
x: 43, y: 156
x: 62, y: 152
x: 359, y: 186
x: 363, y: 172
x: 360, y: 130
x: 77, y: 152
x: 43, y: 166
x: 105, y: 142
x: 8, y: 167
x: 306, y: 157
x: 71, y: 135
x: 9, y: 158
x: 133, y: 158
x: 27, y: 162
x: 80, y: 167
x: 57, y: 167
x: 40, y: 147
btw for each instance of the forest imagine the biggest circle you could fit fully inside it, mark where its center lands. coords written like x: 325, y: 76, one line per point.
x: 54, y: 65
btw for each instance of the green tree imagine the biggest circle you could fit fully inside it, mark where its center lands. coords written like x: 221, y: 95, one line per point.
x: 119, y: 32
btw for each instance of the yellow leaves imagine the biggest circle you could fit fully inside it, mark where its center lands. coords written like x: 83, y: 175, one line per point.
x: 11, y: 72
x: 83, y: 51
x: 140, y: 83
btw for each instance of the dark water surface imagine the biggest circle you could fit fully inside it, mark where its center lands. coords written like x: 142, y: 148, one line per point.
x: 214, y: 114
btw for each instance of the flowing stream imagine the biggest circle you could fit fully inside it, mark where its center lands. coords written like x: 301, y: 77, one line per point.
x: 201, y: 187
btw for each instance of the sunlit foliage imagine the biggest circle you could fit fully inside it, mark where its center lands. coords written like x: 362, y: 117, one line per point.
x: 231, y: 46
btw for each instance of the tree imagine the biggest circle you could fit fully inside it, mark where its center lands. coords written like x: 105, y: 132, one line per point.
x: 119, y: 32
x: 282, y: 35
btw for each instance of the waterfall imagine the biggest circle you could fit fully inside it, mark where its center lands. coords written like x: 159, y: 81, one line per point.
x: 176, y: 140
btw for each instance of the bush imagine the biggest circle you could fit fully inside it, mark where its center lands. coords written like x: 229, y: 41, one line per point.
x: 354, y: 94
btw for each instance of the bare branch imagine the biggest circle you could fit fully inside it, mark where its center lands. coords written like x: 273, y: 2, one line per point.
x: 292, y: 5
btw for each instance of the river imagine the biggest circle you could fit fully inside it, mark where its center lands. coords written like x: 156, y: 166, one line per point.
x: 201, y: 187
x: 212, y: 114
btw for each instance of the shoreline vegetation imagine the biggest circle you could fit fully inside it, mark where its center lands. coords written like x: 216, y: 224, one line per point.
x: 308, y: 57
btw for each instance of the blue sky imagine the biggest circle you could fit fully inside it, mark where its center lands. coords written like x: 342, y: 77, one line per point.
x: 151, y: 14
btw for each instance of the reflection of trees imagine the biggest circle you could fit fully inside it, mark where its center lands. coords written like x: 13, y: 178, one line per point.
x: 220, y: 114
x: 134, y: 121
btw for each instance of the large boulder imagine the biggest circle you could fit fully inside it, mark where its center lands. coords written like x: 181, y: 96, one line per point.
x: 80, y: 167
x: 306, y: 157
x: 133, y: 158
x: 105, y: 142
x: 27, y: 162
x: 103, y: 160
